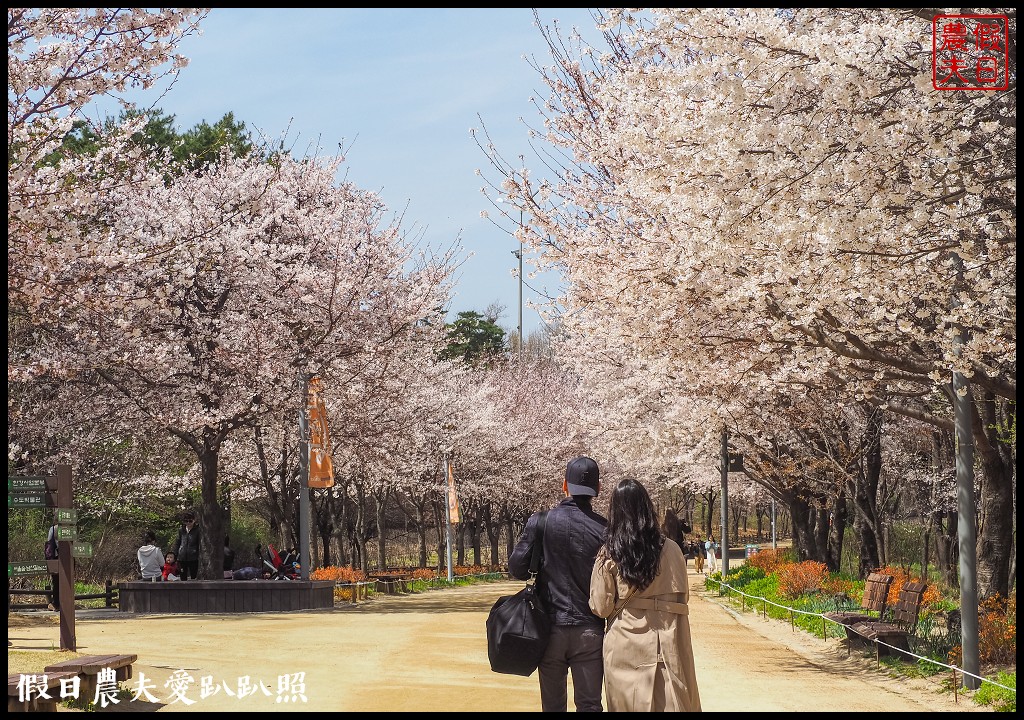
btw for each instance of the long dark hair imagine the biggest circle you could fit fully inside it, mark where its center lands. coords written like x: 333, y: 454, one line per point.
x: 633, y: 539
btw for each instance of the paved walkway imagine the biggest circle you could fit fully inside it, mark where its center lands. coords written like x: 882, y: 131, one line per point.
x: 427, y: 652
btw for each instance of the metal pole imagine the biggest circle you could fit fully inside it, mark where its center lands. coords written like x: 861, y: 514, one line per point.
x: 448, y: 518
x: 966, y: 533
x: 725, y: 502
x: 963, y: 406
x: 520, y: 256
x: 774, y: 544
x: 304, y: 482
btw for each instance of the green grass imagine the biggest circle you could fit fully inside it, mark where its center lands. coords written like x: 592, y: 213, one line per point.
x: 1000, y: 699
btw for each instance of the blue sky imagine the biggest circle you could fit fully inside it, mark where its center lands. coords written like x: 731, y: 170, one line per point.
x: 400, y: 88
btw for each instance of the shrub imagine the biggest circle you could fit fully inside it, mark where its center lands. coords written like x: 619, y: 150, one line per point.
x: 997, y: 629
x: 768, y: 561
x: 424, y: 574
x: 461, y: 570
x: 800, y: 578
x: 743, y: 575
x: 901, y: 577
x: 346, y: 574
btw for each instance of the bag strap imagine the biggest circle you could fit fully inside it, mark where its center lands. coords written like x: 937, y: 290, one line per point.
x: 622, y: 605
x: 538, y: 544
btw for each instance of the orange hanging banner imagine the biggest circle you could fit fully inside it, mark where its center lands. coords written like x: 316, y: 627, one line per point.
x: 321, y: 469
x: 453, y: 497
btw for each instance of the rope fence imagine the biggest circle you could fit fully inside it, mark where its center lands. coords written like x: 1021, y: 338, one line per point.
x: 725, y: 588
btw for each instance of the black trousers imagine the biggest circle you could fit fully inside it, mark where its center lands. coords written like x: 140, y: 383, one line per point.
x: 189, y: 569
x: 577, y: 648
x: 55, y: 587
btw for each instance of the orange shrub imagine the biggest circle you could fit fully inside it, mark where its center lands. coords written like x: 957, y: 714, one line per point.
x: 901, y: 577
x: 997, y: 629
x: 839, y: 586
x: 469, y: 570
x: 796, y: 579
x: 345, y: 574
x: 769, y: 561
x: 424, y: 574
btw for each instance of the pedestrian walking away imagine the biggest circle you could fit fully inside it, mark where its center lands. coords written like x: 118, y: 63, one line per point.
x: 186, y: 547
x: 573, y: 532
x: 640, y: 585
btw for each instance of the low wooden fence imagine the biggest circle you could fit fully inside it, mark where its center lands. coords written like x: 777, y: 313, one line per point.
x: 109, y: 596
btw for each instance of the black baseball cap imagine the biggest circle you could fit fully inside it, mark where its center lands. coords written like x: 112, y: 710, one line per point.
x: 581, y: 476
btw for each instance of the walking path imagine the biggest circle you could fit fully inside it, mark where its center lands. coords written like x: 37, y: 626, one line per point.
x: 427, y: 652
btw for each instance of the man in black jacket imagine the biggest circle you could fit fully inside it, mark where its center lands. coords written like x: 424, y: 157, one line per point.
x: 186, y: 547
x: 573, y: 533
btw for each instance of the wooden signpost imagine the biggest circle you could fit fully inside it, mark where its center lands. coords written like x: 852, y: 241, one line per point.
x: 53, y: 492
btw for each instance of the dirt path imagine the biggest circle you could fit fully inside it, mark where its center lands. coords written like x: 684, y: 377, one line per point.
x: 427, y: 652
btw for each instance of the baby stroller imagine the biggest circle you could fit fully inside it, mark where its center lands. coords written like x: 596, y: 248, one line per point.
x: 278, y: 566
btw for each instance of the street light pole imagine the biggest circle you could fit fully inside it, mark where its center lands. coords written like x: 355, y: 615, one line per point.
x: 520, y: 256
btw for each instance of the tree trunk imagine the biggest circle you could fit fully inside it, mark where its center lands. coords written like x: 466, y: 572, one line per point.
x: 996, y: 543
x: 836, y: 532
x: 510, y: 535
x: 803, y: 527
x: 869, y: 542
x: 360, y: 529
x: 440, y: 508
x: 493, y: 528
x: 380, y: 500
x: 460, y: 544
x: 211, y: 544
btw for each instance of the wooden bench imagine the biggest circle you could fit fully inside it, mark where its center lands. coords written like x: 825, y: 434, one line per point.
x: 895, y: 635
x: 88, y: 668
x: 27, y: 698
x: 872, y: 605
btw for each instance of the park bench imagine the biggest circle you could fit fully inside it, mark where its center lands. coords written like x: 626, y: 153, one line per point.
x: 896, y: 633
x: 88, y: 668
x: 872, y: 605
x: 48, y: 683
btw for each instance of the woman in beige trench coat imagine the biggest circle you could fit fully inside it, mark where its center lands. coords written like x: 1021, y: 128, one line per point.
x: 639, y: 583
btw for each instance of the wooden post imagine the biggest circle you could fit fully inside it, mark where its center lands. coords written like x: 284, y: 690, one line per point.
x: 110, y: 593
x: 65, y: 499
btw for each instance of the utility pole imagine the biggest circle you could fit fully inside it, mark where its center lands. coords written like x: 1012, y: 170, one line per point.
x: 725, y: 502
x: 519, y: 255
x: 967, y: 534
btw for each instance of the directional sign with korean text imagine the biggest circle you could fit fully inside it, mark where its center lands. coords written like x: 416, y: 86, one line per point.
x: 81, y: 550
x: 67, y: 516
x: 16, y: 569
x: 19, y: 484
x: 29, y: 500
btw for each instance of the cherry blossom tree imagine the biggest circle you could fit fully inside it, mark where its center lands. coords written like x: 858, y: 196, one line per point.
x: 765, y: 197
x: 194, y: 299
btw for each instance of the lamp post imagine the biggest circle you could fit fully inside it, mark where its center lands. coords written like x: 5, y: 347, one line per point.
x: 725, y: 503
x: 519, y: 255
